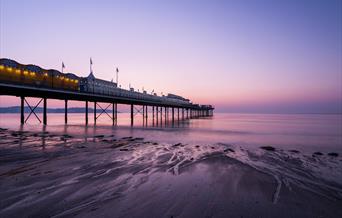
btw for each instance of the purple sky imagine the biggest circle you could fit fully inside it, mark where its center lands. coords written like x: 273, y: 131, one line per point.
x: 247, y: 56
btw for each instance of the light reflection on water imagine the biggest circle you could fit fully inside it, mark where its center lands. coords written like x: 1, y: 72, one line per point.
x: 303, y: 132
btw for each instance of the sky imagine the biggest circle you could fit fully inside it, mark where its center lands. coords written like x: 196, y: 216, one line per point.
x: 263, y: 56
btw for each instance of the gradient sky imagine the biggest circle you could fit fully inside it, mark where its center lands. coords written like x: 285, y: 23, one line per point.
x: 241, y: 56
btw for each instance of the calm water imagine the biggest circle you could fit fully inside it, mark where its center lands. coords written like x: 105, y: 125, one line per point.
x: 306, y: 132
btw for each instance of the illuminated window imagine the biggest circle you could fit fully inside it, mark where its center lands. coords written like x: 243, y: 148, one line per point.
x: 25, y: 72
x: 32, y: 73
x: 9, y: 69
x: 67, y: 79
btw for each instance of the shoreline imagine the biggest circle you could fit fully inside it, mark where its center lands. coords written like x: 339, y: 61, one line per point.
x: 108, y: 175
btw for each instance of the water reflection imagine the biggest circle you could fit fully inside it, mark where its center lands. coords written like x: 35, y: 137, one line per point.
x: 316, y: 132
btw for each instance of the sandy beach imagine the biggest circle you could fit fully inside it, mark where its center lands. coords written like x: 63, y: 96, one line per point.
x: 50, y: 175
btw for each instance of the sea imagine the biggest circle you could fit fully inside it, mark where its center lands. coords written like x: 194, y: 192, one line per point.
x: 303, y: 132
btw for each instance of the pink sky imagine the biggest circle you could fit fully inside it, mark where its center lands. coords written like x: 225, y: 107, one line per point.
x: 233, y: 55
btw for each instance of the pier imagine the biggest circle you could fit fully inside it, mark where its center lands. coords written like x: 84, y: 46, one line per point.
x: 18, y: 81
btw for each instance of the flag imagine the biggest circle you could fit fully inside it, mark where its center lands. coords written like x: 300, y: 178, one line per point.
x: 91, y: 62
x: 63, y: 66
x: 117, y: 70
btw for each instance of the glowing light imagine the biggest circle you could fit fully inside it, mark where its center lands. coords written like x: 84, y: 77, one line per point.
x: 32, y: 73
x: 25, y: 72
x: 9, y: 69
x: 45, y: 74
x: 67, y: 79
x: 2, y: 67
x: 17, y: 70
x: 76, y: 81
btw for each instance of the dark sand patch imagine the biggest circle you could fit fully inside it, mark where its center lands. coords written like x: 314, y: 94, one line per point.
x: 333, y: 154
x: 317, y: 153
x: 268, y: 148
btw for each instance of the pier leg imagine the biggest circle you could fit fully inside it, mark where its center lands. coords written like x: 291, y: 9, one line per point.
x: 173, y: 115
x: 116, y: 114
x: 146, y: 113
x: 66, y: 112
x: 22, y: 116
x: 132, y: 114
x: 157, y: 115
x: 86, y: 113
x: 113, y: 113
x: 94, y: 112
x: 143, y: 114
x: 153, y: 115
x: 166, y: 112
x: 178, y: 114
x: 44, y: 112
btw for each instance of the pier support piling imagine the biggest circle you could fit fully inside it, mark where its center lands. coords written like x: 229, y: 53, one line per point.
x: 22, y: 116
x: 86, y: 112
x: 132, y: 114
x: 153, y: 115
x: 113, y: 114
x: 44, y: 111
x: 94, y: 112
x: 173, y: 115
x: 157, y: 111
x: 66, y: 111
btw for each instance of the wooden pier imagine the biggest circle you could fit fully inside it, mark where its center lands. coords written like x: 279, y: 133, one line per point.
x: 160, y: 111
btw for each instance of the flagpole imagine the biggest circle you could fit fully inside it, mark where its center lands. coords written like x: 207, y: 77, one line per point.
x: 90, y: 66
x: 117, y: 76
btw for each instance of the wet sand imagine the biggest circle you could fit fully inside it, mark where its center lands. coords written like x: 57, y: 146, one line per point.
x: 55, y: 175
